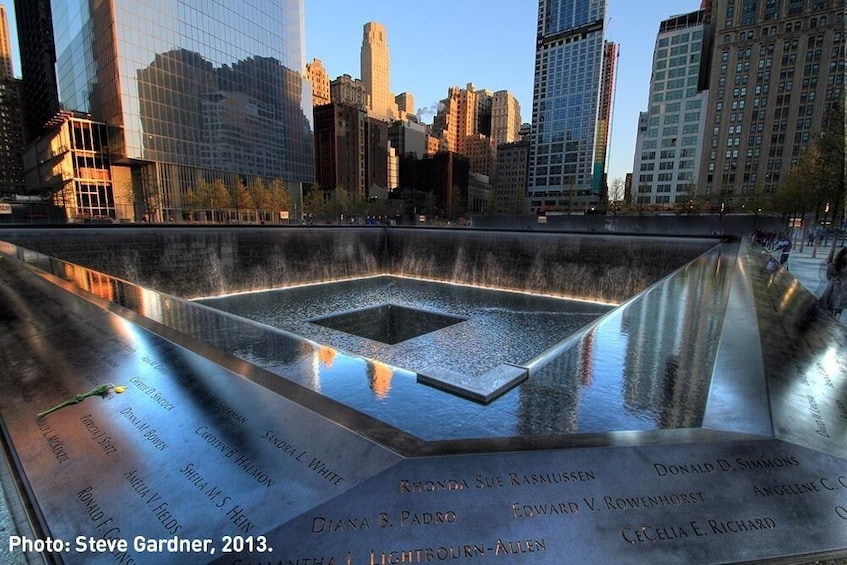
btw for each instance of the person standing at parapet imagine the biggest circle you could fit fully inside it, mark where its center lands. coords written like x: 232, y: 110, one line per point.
x: 783, y: 244
x: 834, y: 298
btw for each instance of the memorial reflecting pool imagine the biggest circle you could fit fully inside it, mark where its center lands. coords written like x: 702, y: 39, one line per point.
x: 587, y: 366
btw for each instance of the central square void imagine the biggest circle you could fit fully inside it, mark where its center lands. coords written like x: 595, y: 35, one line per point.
x: 421, y: 329
x: 388, y: 323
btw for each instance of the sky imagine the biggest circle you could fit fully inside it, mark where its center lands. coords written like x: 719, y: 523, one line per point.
x: 436, y: 44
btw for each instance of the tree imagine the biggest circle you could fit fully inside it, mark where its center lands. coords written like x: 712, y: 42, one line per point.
x: 191, y: 200
x: 429, y: 204
x: 458, y: 203
x: 279, y: 198
x: 795, y: 197
x: 203, y: 190
x: 241, y: 199
x: 150, y: 199
x: 689, y: 203
x: 515, y: 203
x: 258, y: 192
x: 314, y: 202
x: 339, y: 202
x: 831, y: 165
x: 756, y: 200
x: 219, y: 197
x: 261, y: 196
x: 617, y: 190
x: 382, y: 207
x: 617, y: 194
x: 816, y: 183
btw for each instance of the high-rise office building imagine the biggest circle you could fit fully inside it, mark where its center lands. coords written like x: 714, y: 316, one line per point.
x: 505, y: 118
x: 347, y: 90
x: 189, y: 92
x: 339, y: 147
x: 444, y: 175
x: 376, y: 72
x: 566, y: 98
x: 604, y: 116
x: 11, y: 135
x: 405, y: 105
x: 351, y: 150
x: 11, y: 116
x: 408, y: 137
x: 463, y: 123
x: 316, y: 73
x: 38, y: 65
x: 472, y: 122
x: 510, y: 177
x: 776, y: 68
x: 670, y: 132
x: 5, y: 46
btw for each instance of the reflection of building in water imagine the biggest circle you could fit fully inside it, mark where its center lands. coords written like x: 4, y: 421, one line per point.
x: 379, y: 375
x: 192, y: 94
x: 668, y: 347
x: 669, y: 359
x: 549, y: 399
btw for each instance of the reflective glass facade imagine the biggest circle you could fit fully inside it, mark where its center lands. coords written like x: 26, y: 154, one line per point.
x: 201, y: 89
x: 566, y: 96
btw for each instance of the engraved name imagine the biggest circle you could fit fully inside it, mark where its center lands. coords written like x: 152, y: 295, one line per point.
x: 210, y: 491
x: 279, y: 443
x: 157, y: 365
x: 56, y: 445
x: 406, y: 518
x: 651, y: 534
x: 216, y: 442
x: 151, y: 391
x: 213, y: 401
x: 148, y: 433
x: 724, y: 465
x: 815, y: 413
x: 105, y: 525
x: 458, y: 552
x: 517, y: 479
x: 793, y: 489
x: 98, y: 435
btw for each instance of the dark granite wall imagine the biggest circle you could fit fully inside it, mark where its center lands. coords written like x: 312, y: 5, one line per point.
x: 609, y: 268
x: 194, y: 262
x: 201, y: 262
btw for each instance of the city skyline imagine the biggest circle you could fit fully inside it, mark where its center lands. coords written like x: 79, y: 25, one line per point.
x: 502, y: 37
x: 417, y: 41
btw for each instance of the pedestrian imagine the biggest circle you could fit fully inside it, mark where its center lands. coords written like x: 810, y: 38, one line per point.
x: 834, y: 298
x: 783, y: 244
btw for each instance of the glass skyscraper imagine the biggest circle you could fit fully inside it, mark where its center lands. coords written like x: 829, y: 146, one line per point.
x: 565, y: 104
x: 192, y: 90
